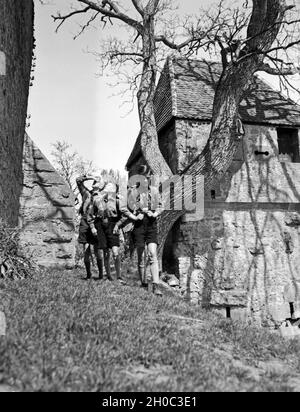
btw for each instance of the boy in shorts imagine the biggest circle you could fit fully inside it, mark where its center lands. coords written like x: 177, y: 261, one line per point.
x: 143, y: 209
x: 86, y: 237
x: 103, y: 218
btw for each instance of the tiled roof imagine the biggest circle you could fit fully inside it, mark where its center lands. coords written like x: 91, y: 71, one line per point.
x: 195, y: 83
x: 186, y: 90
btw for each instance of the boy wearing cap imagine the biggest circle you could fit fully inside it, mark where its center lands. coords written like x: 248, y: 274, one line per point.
x: 112, y: 223
x: 86, y: 237
x: 103, y: 216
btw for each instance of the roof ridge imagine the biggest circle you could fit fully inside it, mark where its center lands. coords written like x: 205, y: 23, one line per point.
x: 173, y: 87
x: 187, y: 59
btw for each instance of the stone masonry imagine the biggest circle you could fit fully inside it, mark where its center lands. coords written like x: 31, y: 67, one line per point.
x: 16, y: 44
x: 47, y: 213
x: 243, y: 258
x: 32, y: 194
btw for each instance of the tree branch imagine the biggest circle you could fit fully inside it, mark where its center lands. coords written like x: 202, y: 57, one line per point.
x: 112, y: 11
x: 67, y: 16
x: 288, y: 46
x: 266, y: 53
x: 172, y: 45
x: 151, y: 7
x: 265, y: 23
x: 86, y: 25
x: 138, y: 7
x: 276, y: 71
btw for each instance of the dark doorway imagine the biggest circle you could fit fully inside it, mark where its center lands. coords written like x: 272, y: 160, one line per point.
x: 288, y: 145
x: 169, y: 259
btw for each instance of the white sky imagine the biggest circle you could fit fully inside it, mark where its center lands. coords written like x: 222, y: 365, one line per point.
x: 68, y: 101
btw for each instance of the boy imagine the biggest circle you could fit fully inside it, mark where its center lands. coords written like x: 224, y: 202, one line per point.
x: 103, y: 216
x: 86, y: 237
x: 143, y: 209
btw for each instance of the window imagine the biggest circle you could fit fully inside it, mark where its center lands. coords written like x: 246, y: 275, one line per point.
x: 288, y: 145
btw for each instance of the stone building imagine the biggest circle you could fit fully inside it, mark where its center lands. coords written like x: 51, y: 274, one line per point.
x: 242, y: 259
x: 32, y: 194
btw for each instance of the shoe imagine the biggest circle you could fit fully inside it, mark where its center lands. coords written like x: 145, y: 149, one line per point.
x: 144, y: 285
x: 122, y: 282
x: 156, y: 290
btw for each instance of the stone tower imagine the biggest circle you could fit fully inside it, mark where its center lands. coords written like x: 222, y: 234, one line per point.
x: 16, y: 45
x: 32, y: 194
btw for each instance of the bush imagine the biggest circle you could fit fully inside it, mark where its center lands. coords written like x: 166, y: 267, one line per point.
x: 12, y: 264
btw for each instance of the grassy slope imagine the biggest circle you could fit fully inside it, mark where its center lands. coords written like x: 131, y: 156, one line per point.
x: 68, y: 335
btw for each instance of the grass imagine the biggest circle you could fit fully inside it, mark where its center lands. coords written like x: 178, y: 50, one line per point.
x: 65, y: 334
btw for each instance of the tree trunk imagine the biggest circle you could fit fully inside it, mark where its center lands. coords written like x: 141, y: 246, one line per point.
x: 226, y: 130
x: 149, y: 137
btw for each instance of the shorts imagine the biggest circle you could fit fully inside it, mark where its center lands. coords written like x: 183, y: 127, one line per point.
x: 145, y: 232
x: 86, y: 236
x: 85, y: 233
x: 101, y: 237
x: 112, y: 240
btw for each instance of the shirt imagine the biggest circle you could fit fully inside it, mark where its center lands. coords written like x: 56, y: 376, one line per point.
x: 105, y: 205
x: 142, y: 202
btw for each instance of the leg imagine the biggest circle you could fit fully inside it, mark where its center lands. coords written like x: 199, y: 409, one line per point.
x: 87, y: 260
x: 99, y: 257
x: 117, y: 261
x: 141, y: 265
x: 154, y: 267
x: 102, y: 247
x: 107, y: 263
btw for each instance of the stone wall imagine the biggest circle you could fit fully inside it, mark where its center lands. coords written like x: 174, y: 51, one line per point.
x: 47, y: 213
x: 242, y: 259
x: 16, y: 44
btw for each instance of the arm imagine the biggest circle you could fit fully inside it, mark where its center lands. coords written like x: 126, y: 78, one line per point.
x: 91, y: 217
x: 80, y: 184
x: 85, y: 193
x: 124, y: 209
x: 156, y: 202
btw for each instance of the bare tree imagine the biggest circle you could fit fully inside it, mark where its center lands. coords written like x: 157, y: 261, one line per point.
x: 110, y: 175
x: 70, y: 164
x: 256, y: 36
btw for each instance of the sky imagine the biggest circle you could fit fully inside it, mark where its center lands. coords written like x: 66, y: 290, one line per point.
x: 70, y: 101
